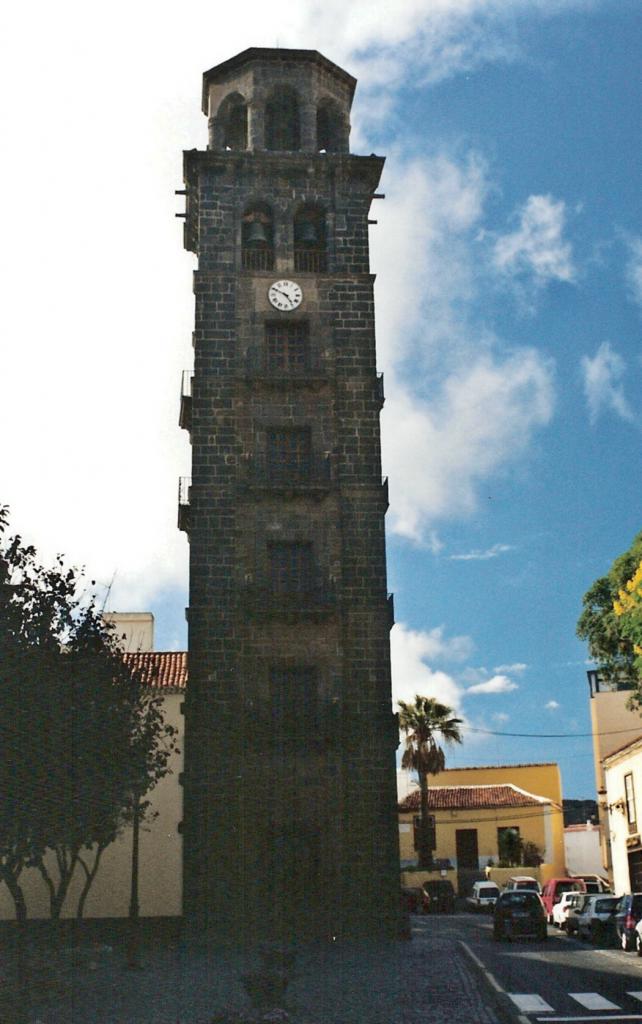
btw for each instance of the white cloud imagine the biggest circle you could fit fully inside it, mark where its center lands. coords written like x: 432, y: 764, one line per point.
x: 602, y: 376
x: 482, y: 556
x: 634, y: 269
x: 500, y: 718
x: 497, y: 684
x: 537, y: 247
x: 552, y: 705
x: 411, y: 674
x: 516, y: 669
x: 93, y: 463
x: 440, y: 452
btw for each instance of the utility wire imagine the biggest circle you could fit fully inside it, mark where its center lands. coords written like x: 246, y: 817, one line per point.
x: 551, y: 735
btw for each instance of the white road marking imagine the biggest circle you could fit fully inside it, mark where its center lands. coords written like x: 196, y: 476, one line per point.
x: 636, y: 995
x: 596, y: 1020
x: 593, y: 1001
x: 528, y: 1003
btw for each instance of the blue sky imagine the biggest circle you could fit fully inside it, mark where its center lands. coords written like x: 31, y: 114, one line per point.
x: 508, y: 256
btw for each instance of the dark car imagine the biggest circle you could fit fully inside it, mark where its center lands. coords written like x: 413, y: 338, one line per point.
x: 519, y: 914
x: 438, y: 896
x: 627, y: 914
x: 412, y: 899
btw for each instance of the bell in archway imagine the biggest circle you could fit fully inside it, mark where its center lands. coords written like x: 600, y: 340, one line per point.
x: 256, y: 233
x: 308, y: 233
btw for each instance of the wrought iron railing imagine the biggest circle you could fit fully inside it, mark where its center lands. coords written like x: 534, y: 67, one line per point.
x: 185, y: 414
x: 184, y: 487
x: 257, y: 259
x: 310, y: 261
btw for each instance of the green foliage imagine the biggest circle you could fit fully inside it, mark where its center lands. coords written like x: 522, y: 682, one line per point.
x: 424, y: 722
x: 509, y: 845
x: 605, y: 633
x: 81, y: 738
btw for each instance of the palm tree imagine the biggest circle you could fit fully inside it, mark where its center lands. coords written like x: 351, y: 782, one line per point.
x: 422, y: 722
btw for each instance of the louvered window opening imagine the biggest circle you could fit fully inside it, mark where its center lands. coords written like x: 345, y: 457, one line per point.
x: 290, y: 567
x: 287, y: 347
x: 289, y: 454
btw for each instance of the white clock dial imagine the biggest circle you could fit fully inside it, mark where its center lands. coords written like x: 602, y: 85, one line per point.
x: 285, y: 295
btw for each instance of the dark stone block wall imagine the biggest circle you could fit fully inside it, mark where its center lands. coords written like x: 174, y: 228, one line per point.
x: 289, y: 831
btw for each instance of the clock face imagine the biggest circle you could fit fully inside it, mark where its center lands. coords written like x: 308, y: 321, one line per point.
x: 285, y: 295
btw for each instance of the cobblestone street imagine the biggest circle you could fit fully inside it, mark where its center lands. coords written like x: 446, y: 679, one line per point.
x: 429, y: 980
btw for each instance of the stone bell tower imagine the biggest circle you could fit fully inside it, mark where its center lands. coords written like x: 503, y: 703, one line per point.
x: 290, y: 826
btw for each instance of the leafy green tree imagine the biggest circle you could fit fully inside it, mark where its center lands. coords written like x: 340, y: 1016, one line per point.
x: 425, y: 722
x: 510, y: 848
x: 607, y: 634
x: 82, y: 740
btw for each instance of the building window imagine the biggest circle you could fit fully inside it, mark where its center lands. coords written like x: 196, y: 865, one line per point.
x: 290, y: 566
x: 289, y: 454
x: 629, y: 794
x: 257, y: 238
x: 310, y: 240
x: 287, y: 346
x: 282, y: 128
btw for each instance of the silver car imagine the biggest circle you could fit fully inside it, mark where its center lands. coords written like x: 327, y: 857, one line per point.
x: 595, y: 916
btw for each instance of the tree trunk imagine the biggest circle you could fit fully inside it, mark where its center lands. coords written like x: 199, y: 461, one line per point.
x: 425, y: 850
x: 10, y: 878
x: 90, y: 874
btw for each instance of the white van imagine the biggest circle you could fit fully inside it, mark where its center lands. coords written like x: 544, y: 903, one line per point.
x: 523, y: 882
x: 484, y: 895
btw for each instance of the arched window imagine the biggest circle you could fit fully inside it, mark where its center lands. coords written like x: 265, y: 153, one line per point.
x: 329, y: 127
x: 282, y: 123
x: 232, y: 118
x: 257, y: 238
x: 310, y: 239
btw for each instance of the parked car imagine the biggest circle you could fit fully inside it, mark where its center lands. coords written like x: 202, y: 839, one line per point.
x: 483, y: 896
x: 438, y: 896
x: 627, y: 914
x: 561, y: 908
x: 574, y: 907
x: 412, y: 899
x: 519, y: 914
x: 523, y: 882
x: 594, y: 883
x: 553, y: 889
x: 595, y: 917
x: 638, y: 937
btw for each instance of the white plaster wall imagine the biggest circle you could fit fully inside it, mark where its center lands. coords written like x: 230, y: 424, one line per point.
x: 619, y: 828
x: 583, y: 852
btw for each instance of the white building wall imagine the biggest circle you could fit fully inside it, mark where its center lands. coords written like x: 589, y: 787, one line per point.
x: 623, y: 838
x: 583, y: 851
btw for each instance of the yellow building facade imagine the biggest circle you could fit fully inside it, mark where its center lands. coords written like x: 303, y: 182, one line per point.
x: 471, y: 808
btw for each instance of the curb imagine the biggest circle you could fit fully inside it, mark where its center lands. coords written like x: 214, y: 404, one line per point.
x: 505, y: 1009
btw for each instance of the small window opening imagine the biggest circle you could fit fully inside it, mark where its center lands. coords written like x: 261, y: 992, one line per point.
x: 232, y: 117
x: 329, y: 127
x: 287, y: 347
x: 290, y: 567
x: 289, y: 454
x: 282, y: 128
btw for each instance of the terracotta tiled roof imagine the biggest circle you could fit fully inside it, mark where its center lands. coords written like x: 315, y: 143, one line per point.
x: 164, y: 670
x: 465, y: 798
x: 581, y: 828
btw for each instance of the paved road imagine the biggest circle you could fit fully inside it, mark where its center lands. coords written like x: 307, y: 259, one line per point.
x: 557, y: 980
